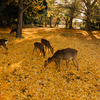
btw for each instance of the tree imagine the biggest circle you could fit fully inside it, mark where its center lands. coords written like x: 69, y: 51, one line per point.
x: 72, y: 10
x: 96, y: 14
x: 87, y: 6
x: 19, y: 23
x: 51, y: 11
x: 32, y: 3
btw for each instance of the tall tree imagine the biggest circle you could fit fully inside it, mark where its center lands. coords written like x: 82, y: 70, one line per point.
x: 50, y: 10
x: 96, y: 14
x: 72, y: 10
x: 19, y: 23
x: 87, y: 6
x: 32, y: 3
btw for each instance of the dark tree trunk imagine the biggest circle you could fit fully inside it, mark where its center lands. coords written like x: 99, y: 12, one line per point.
x: 88, y: 13
x: 88, y: 20
x: 45, y: 21
x: 88, y: 25
x: 20, y: 16
x: 66, y: 24
x: 70, y: 23
x: 50, y: 20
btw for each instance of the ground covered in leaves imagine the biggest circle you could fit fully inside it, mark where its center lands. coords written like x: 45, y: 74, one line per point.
x: 23, y: 76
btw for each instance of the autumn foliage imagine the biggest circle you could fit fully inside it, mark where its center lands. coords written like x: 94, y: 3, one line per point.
x: 23, y: 76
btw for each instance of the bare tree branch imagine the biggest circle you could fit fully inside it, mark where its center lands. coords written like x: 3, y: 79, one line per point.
x: 93, y: 3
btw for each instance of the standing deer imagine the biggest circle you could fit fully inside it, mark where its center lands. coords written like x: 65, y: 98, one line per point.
x: 40, y: 47
x: 64, y: 54
x: 3, y: 43
x: 46, y: 43
x: 13, y: 30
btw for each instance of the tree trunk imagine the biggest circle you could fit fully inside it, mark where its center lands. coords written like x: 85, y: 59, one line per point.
x: 88, y: 25
x: 70, y: 23
x: 66, y: 20
x: 88, y: 13
x: 45, y: 21
x: 20, y: 16
x: 88, y: 20
x: 50, y: 20
x: 66, y: 24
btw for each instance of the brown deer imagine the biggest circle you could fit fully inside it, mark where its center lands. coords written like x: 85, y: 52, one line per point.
x: 64, y: 54
x: 40, y: 47
x: 46, y: 43
x: 3, y: 43
x: 13, y: 30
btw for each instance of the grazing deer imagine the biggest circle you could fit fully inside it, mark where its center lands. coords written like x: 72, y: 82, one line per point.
x: 46, y: 43
x: 40, y: 47
x: 3, y: 43
x: 13, y: 30
x: 64, y: 54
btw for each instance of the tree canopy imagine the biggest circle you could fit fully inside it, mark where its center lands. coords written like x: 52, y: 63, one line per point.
x: 48, y: 11
x: 9, y: 9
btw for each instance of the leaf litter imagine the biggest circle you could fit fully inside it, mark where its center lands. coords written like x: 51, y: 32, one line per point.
x: 23, y: 76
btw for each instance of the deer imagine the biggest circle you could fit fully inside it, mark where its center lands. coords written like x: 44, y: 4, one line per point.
x: 40, y: 47
x: 64, y: 54
x: 3, y: 43
x: 13, y: 30
x: 46, y: 43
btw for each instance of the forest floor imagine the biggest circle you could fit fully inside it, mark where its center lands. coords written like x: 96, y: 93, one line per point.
x: 23, y: 76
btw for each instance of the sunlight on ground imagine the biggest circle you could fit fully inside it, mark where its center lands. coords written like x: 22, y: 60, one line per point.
x: 23, y: 76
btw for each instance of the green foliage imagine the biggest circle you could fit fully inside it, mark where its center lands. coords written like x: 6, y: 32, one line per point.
x: 83, y: 26
x: 34, y: 11
x: 93, y: 26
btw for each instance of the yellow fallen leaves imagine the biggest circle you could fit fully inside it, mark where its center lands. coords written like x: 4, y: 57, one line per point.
x: 23, y: 76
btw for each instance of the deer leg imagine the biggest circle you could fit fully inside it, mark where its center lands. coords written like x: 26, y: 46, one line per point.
x: 77, y: 63
x: 59, y: 64
x: 46, y: 48
x: 36, y: 51
x: 73, y: 62
x: 33, y: 50
x: 2, y: 49
x: 67, y: 63
x: 56, y: 62
x: 5, y: 48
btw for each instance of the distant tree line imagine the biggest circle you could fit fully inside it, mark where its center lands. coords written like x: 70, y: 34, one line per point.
x: 43, y: 12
